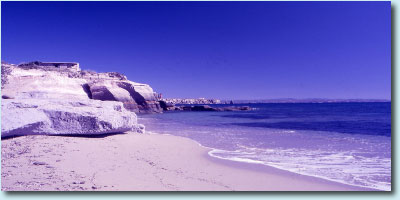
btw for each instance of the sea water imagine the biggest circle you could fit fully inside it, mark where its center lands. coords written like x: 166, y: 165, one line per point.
x: 348, y: 143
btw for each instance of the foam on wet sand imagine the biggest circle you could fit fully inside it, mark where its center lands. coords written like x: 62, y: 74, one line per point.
x: 137, y: 162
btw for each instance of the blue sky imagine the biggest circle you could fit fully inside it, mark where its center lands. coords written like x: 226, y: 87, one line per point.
x: 225, y: 50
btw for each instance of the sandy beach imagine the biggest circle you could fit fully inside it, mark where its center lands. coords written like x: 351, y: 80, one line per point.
x: 137, y: 162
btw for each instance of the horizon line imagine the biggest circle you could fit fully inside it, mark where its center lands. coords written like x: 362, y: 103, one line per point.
x: 272, y: 99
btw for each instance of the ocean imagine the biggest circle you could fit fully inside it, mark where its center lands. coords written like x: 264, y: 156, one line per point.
x: 348, y: 143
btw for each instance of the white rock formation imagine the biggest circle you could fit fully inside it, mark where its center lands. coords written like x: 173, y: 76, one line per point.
x: 23, y: 83
x: 54, y: 117
x: 135, y: 96
x: 40, y: 100
x: 33, y: 83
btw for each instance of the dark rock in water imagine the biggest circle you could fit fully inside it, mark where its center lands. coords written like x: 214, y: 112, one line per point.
x: 178, y: 108
x: 187, y: 108
x: 166, y: 106
x: 244, y: 108
x: 199, y: 108
x: 234, y: 108
x: 209, y: 108
x: 163, y: 105
x: 203, y: 108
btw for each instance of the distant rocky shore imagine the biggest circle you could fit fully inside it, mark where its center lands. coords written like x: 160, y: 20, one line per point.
x: 196, y: 101
x: 192, y: 101
x: 172, y: 107
x: 198, y: 105
x: 209, y: 108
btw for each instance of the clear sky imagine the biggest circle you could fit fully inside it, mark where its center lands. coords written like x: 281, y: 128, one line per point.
x: 225, y: 50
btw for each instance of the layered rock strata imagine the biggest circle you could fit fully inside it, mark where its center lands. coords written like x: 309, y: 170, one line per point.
x: 53, y: 101
x: 38, y: 82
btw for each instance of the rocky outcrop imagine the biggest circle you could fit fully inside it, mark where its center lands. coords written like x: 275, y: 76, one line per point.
x: 171, y: 107
x: 192, y: 101
x: 31, y: 81
x: 209, y: 108
x: 65, y: 117
x: 64, y: 100
x: 135, y: 97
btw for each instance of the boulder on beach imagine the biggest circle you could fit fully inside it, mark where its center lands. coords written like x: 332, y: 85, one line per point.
x: 64, y: 117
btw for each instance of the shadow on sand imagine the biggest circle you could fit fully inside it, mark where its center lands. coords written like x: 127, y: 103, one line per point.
x: 72, y: 135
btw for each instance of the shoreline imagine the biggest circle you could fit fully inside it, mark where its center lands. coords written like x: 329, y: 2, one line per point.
x: 267, y: 168
x: 271, y: 169
x: 139, y: 162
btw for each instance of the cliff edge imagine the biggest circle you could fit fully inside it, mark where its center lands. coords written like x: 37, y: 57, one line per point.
x: 60, y: 98
x: 43, y: 80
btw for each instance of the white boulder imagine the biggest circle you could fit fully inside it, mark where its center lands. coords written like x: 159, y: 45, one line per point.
x: 55, y: 117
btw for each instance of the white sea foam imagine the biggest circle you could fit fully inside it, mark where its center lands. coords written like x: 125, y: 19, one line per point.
x: 339, y: 167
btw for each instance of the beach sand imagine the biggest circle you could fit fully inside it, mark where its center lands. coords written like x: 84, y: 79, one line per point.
x: 137, y: 162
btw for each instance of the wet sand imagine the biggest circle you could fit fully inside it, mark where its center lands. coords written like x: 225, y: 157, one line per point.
x: 137, y: 162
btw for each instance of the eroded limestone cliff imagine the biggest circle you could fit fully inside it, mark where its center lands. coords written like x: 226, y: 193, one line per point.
x: 32, y: 81
x: 46, y: 99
